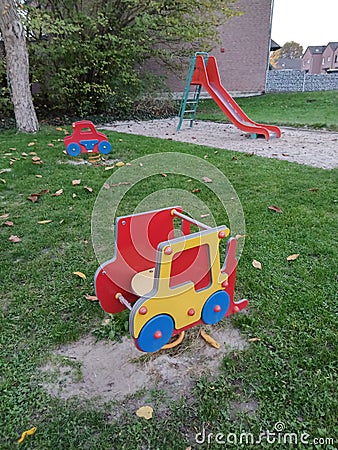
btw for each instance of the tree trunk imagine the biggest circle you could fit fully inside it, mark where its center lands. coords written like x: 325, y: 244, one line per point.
x: 17, y: 67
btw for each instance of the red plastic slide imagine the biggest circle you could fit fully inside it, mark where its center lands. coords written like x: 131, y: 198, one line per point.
x: 208, y: 77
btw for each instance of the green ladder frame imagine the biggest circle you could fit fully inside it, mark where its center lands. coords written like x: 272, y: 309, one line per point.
x: 192, y: 102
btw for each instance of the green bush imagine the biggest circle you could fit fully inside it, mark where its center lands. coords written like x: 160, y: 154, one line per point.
x: 82, y: 71
x: 88, y: 57
x: 6, y: 107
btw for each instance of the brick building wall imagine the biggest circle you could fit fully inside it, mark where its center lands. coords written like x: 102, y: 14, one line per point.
x: 243, y: 53
x: 246, y: 43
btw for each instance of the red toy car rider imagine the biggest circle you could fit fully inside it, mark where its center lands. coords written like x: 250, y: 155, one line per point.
x: 85, y: 139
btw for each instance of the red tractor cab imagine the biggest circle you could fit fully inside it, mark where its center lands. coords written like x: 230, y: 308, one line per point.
x: 86, y: 139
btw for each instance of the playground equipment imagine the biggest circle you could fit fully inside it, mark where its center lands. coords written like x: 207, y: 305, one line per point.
x: 85, y: 139
x: 168, y: 283
x: 203, y: 72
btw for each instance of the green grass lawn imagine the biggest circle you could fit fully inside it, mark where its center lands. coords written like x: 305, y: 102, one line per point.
x: 290, y: 372
x: 305, y: 109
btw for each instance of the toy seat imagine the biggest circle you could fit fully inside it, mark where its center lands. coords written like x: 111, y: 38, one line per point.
x: 137, y: 238
x: 143, y: 282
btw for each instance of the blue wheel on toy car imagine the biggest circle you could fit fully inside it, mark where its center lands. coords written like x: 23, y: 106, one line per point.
x: 104, y: 147
x: 216, y: 307
x: 156, y: 333
x: 73, y: 149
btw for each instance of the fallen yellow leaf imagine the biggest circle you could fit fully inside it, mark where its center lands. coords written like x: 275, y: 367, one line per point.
x: 42, y: 222
x: 38, y: 176
x: 119, y: 164
x: 31, y: 144
x: 292, y: 257
x: 255, y: 339
x: 89, y: 189
x: 36, y: 160
x: 257, y: 264
x: 207, y: 180
x: 80, y: 274
x: 209, y: 339
x: 76, y: 182
x: 27, y: 433
x: 14, y: 238
x: 145, y: 411
x: 275, y: 208
x: 92, y: 298
x: 33, y: 198
x: 109, y: 168
x: 57, y: 193
x: 240, y: 236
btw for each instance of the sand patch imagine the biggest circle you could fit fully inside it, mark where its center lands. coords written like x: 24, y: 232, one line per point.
x: 315, y: 148
x: 114, y: 371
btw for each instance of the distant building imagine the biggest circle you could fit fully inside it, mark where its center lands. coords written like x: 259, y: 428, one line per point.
x: 274, y: 46
x: 288, y: 64
x: 330, y: 58
x: 320, y: 59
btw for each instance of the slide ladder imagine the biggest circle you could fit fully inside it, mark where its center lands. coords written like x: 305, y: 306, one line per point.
x: 205, y: 74
x: 190, y: 98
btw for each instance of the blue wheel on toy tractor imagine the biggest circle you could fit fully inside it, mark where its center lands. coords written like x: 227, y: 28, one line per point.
x: 156, y: 333
x: 73, y: 149
x: 216, y: 307
x: 104, y: 147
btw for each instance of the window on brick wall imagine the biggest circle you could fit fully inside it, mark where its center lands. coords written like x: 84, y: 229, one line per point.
x: 336, y: 58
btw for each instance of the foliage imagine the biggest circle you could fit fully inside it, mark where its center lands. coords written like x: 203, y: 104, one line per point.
x: 6, y: 107
x: 290, y: 50
x: 89, y: 56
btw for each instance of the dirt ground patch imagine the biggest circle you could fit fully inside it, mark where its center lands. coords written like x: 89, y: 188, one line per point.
x: 311, y: 147
x: 115, y: 371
